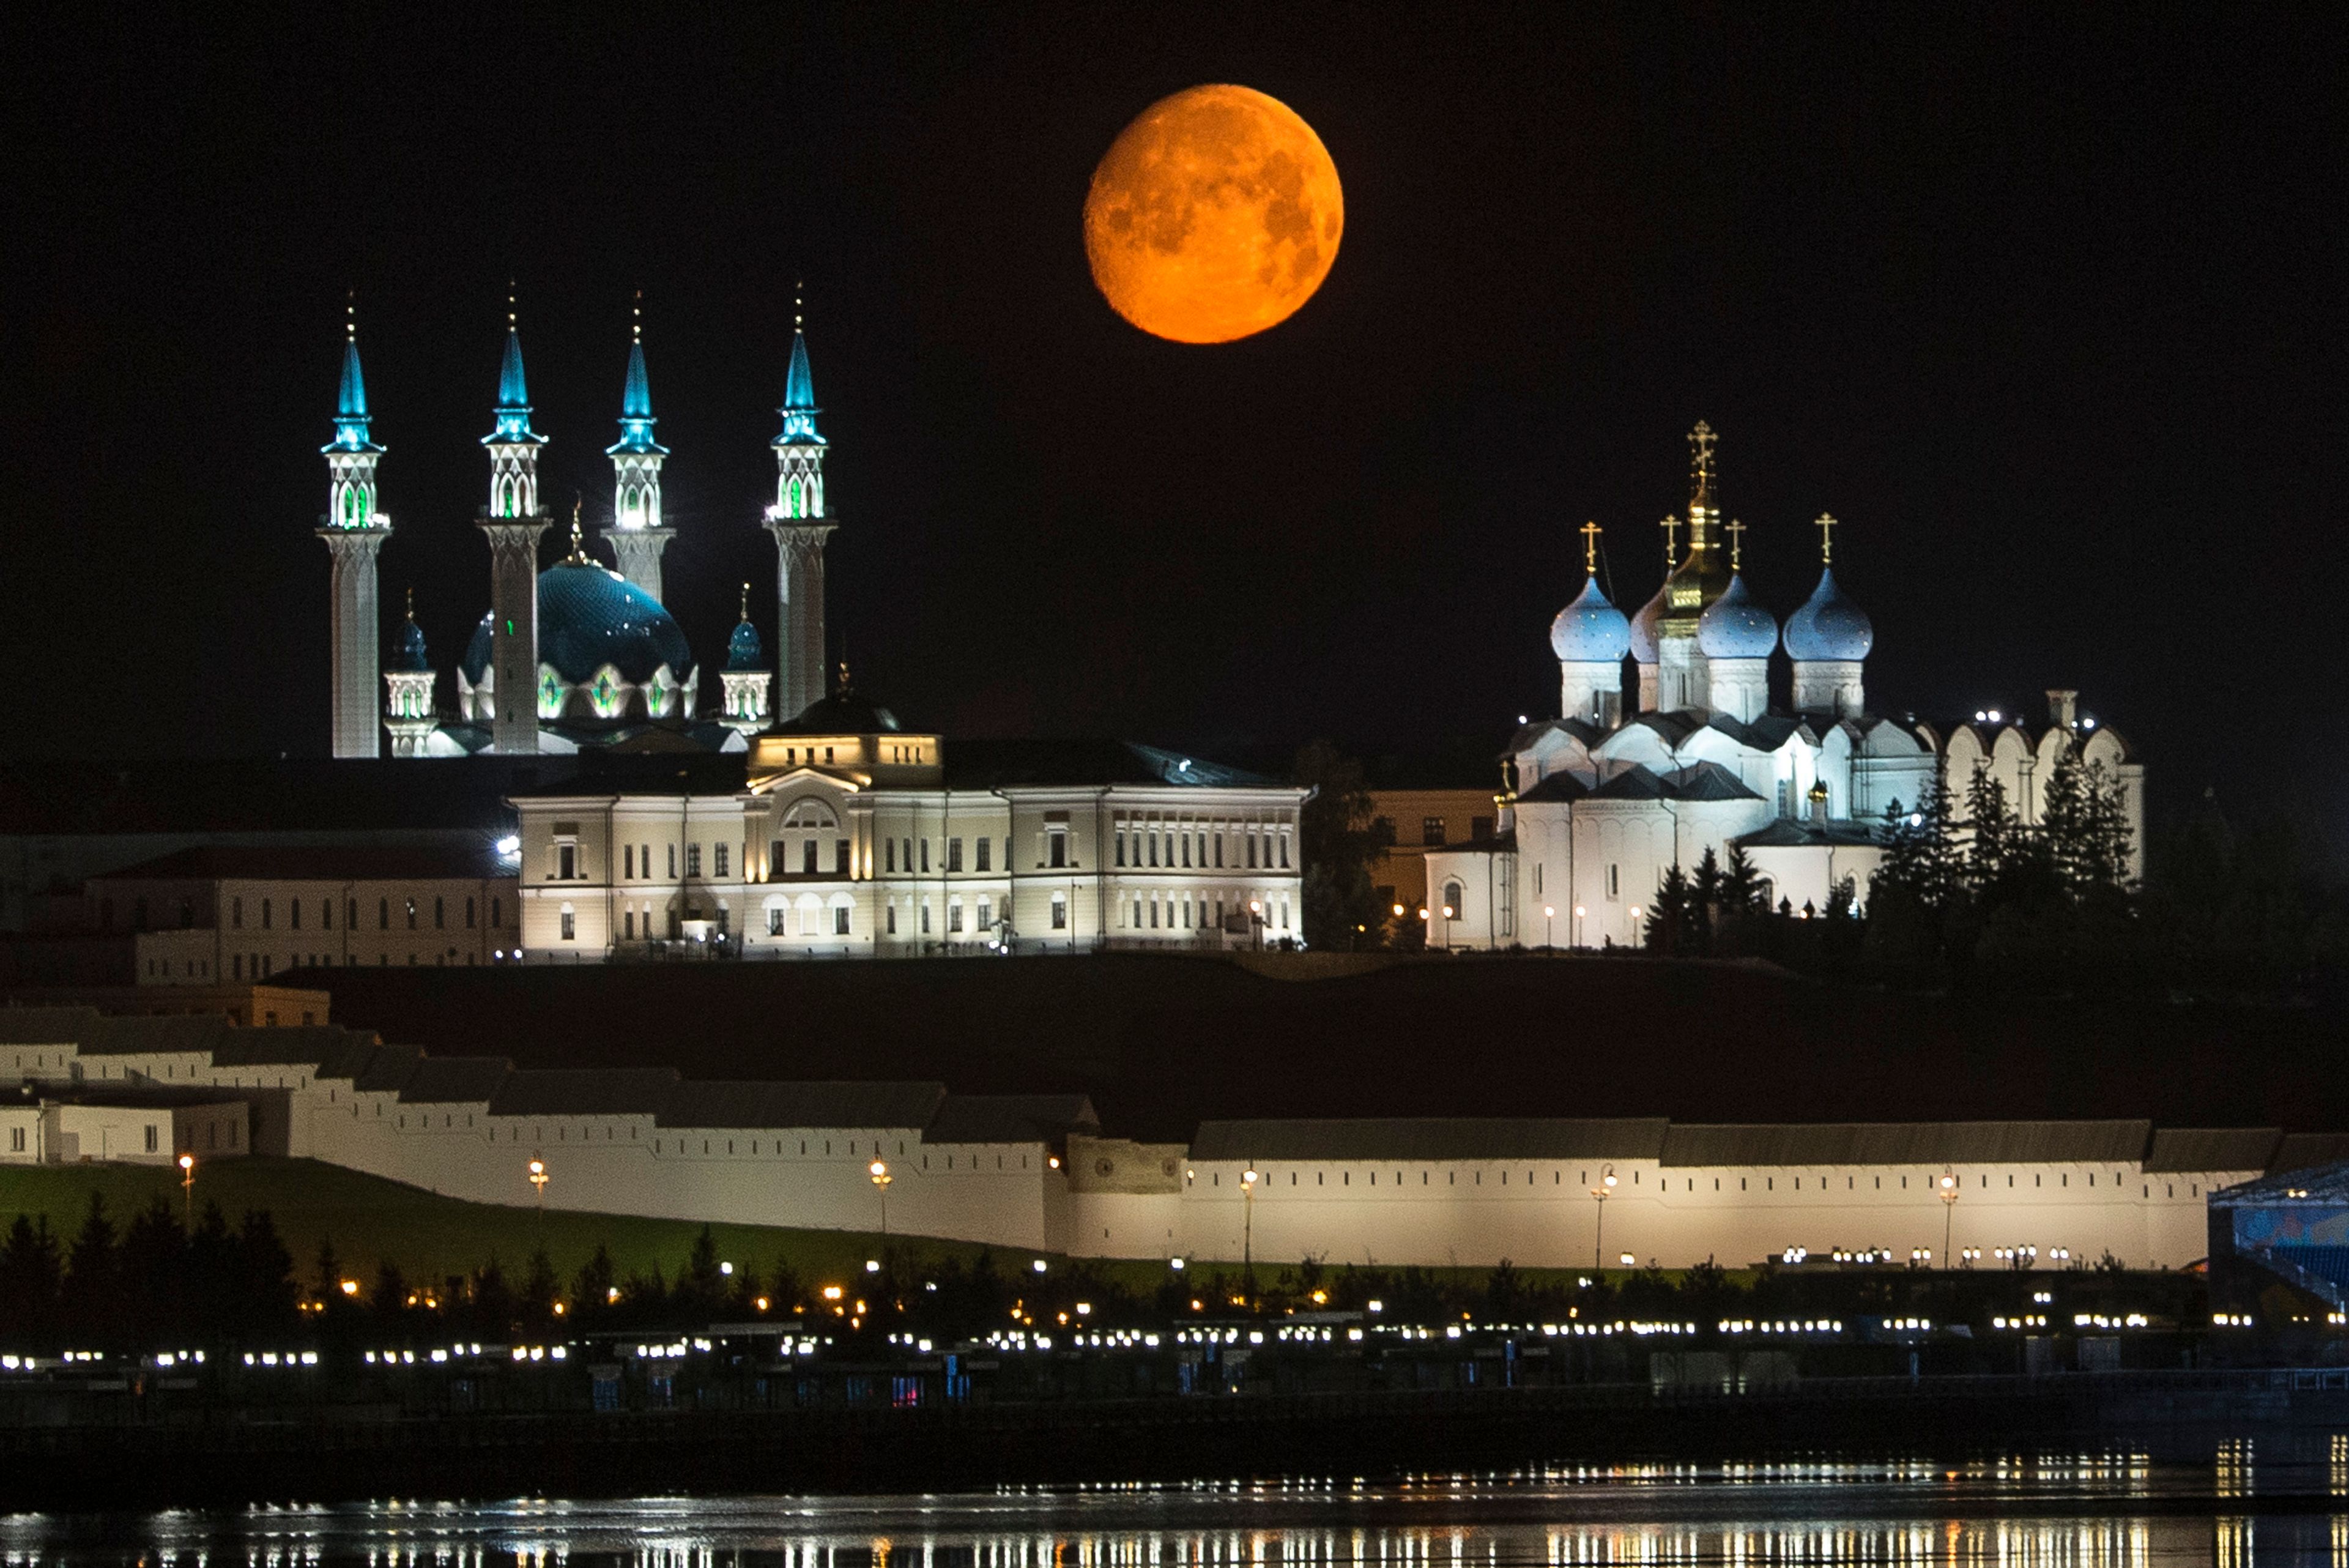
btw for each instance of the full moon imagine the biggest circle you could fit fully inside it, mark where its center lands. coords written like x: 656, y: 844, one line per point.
x: 1213, y: 216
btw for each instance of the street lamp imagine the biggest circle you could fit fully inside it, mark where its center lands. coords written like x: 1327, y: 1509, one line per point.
x: 879, y: 1170
x: 1578, y: 912
x: 1949, y: 1206
x: 1604, y: 1190
x: 1256, y: 921
x: 1247, y: 1228
x: 1550, y: 913
x: 538, y: 1179
x: 188, y: 1189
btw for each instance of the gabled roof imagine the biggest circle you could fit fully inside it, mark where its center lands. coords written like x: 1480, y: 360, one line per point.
x: 1787, y: 832
x: 2301, y: 1151
x: 357, y: 862
x: 386, y: 1070
x: 585, y: 1092
x: 308, y: 1045
x: 1558, y: 787
x: 1765, y: 734
x: 1698, y: 781
x: 1907, y: 1143
x: 46, y: 1025
x: 817, y: 1104
x: 139, y: 1036
x: 454, y: 1080
x: 1011, y: 1119
x: 1530, y: 735
x: 994, y: 764
x: 2212, y: 1148
x: 1432, y: 1138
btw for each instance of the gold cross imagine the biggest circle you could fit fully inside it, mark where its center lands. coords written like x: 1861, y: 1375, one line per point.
x: 1671, y: 527
x: 1590, y: 532
x: 1736, y: 531
x: 1826, y: 526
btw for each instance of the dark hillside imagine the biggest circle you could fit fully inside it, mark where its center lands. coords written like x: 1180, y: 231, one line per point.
x: 1162, y: 1043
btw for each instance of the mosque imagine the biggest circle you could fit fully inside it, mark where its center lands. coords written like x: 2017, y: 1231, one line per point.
x: 1601, y: 801
x: 820, y: 825
x: 578, y: 655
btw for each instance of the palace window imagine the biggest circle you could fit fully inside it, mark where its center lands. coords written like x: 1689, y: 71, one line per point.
x: 1056, y: 846
x: 1121, y: 847
x: 383, y: 914
x: 926, y: 856
x: 570, y: 924
x: 893, y: 916
x: 497, y: 913
x: 840, y: 856
x: 440, y: 914
x: 984, y: 846
x: 693, y: 859
x: 566, y: 862
x: 1614, y: 881
x: 889, y: 854
x: 293, y: 914
x: 839, y: 920
x: 1431, y: 830
x: 672, y: 862
x: 807, y: 858
x: 265, y: 914
x: 926, y: 917
x: 954, y: 854
x: 954, y: 915
x: 721, y: 853
x: 628, y: 924
x: 628, y: 861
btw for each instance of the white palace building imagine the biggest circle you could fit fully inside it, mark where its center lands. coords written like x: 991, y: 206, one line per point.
x: 816, y: 825
x: 1604, y: 798
x: 1038, y: 1172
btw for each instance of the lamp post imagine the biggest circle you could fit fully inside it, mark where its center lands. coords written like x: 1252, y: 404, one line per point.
x: 1248, y: 1229
x: 1578, y: 912
x: 1948, y: 1210
x: 879, y: 1170
x: 1639, y: 937
x: 1604, y: 1190
x: 1256, y: 921
x: 188, y: 1190
x: 1550, y: 913
x: 538, y: 1179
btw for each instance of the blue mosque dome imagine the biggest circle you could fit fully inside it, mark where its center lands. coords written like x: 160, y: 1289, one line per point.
x: 742, y: 649
x: 1590, y: 631
x: 1735, y: 625
x: 1829, y: 625
x: 408, y: 657
x: 590, y: 616
x: 1644, y: 633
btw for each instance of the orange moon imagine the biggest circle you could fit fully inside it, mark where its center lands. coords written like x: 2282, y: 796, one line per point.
x: 1213, y: 216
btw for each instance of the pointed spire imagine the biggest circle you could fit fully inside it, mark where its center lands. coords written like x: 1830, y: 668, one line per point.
x: 409, y: 657
x: 578, y: 557
x: 636, y: 419
x: 743, y: 651
x: 799, y: 410
x: 351, y: 419
x: 513, y: 389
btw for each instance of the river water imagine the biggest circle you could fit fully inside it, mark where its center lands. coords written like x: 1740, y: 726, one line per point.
x: 2236, y: 1501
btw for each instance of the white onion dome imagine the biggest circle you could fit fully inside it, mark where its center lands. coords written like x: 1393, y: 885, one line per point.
x: 1830, y: 627
x: 1590, y: 631
x: 1735, y: 625
x: 1645, y: 635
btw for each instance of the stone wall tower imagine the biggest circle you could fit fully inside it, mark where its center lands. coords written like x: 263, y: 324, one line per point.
x: 512, y: 523
x: 638, y: 537
x: 801, y: 525
x: 354, y: 531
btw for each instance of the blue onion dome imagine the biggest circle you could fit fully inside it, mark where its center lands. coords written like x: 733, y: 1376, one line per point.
x: 743, y: 651
x: 1735, y: 625
x: 1829, y: 625
x: 1589, y: 631
x: 1645, y: 635
x: 590, y: 616
x: 408, y: 657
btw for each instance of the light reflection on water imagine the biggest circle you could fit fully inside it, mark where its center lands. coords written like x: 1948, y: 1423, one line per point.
x: 2287, y: 1503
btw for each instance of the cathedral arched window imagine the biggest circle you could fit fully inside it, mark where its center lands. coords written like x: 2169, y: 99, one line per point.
x: 1453, y: 900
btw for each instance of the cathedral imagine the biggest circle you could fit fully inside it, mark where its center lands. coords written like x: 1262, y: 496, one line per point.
x: 578, y: 655
x: 1601, y: 801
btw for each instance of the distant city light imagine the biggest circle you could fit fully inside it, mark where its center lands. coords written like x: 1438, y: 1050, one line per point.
x: 509, y: 844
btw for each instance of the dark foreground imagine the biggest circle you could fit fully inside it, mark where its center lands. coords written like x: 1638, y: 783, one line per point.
x: 329, y: 1454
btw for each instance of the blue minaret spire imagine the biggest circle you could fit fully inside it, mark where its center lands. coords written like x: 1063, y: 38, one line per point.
x: 637, y: 535
x: 513, y: 445
x: 512, y: 523
x: 800, y: 522
x: 354, y: 531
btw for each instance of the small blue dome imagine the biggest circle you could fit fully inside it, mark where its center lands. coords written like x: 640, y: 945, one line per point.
x: 742, y: 649
x: 1735, y: 625
x: 1589, y: 631
x: 590, y: 616
x: 1645, y: 635
x: 1829, y: 625
x: 407, y: 657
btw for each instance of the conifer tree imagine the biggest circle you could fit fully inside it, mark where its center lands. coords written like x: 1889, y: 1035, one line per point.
x: 1667, y: 915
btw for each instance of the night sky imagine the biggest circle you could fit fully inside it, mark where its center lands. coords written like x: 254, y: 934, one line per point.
x: 2046, y: 306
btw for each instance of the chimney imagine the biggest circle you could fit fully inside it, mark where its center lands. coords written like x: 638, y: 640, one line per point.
x: 2063, y: 708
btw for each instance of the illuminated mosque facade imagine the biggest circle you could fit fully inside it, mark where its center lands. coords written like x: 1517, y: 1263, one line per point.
x: 1601, y: 801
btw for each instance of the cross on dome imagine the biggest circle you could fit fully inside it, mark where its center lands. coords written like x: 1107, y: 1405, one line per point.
x: 1736, y: 531
x: 1671, y: 527
x: 1827, y: 525
x: 1590, y: 532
